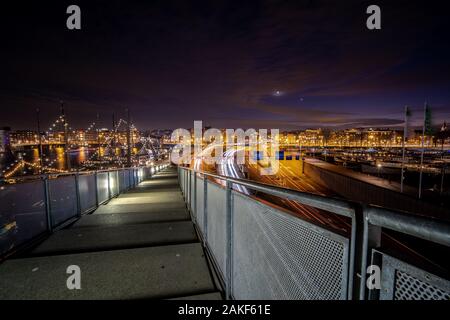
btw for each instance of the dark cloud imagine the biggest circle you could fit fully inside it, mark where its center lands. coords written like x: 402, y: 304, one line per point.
x: 172, y: 62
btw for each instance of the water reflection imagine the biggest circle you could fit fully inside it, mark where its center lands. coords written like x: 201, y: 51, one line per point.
x: 55, y: 157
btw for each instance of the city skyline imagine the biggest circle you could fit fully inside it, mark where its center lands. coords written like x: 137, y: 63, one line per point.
x: 266, y: 64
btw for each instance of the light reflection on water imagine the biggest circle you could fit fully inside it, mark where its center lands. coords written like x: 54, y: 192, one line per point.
x: 57, y: 158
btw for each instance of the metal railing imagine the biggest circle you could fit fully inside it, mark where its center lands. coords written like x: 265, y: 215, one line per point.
x: 262, y: 252
x: 33, y: 208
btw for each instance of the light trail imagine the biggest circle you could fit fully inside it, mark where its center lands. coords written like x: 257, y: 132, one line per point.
x: 228, y: 167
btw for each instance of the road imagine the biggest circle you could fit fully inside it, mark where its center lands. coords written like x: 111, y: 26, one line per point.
x: 289, y: 176
x: 228, y: 167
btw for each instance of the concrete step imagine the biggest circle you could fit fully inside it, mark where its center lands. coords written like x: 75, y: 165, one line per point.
x: 124, y: 218
x: 171, y: 208
x: 148, y: 198
x: 116, y: 237
x: 171, y: 194
x: 160, y: 181
x: 155, y: 272
x: 147, y: 188
x: 206, y: 296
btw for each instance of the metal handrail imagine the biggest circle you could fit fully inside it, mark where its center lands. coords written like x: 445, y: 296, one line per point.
x: 47, y: 202
x: 429, y: 229
x: 335, y: 205
x: 367, y: 221
x: 23, y: 179
x: 375, y: 217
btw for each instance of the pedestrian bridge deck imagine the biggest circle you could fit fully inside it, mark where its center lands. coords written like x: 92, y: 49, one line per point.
x: 141, y: 244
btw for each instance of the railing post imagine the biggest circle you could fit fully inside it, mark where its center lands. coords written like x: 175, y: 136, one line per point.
x: 124, y: 182
x: 96, y: 189
x: 356, y: 249
x: 186, y: 191
x: 371, y: 240
x: 77, y: 191
x: 109, y: 187
x: 183, y: 182
x: 229, y: 240
x: 195, y: 196
x: 189, y: 190
x: 48, y: 210
x: 185, y: 185
x: 205, y: 210
x: 131, y: 178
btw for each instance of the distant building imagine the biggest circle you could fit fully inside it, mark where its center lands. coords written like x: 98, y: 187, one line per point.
x: 5, y: 149
x: 24, y: 137
x: 5, y: 141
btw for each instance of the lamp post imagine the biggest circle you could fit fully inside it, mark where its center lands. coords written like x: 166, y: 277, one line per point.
x: 128, y: 138
x: 40, y: 140
x: 66, y: 136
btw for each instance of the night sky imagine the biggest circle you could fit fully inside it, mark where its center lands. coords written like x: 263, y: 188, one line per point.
x: 262, y: 64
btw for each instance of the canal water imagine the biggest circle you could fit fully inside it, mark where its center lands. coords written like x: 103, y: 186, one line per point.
x: 54, y: 157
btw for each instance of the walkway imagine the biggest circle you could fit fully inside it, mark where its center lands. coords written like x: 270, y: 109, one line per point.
x: 140, y: 245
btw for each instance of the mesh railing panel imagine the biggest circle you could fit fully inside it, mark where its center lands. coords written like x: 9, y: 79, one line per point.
x: 181, y: 177
x: 408, y: 287
x: 127, y: 179
x: 114, y: 183
x: 122, y: 184
x: 86, y: 187
x: 402, y: 281
x: 216, y: 233
x: 277, y: 256
x: 135, y: 177
x: 199, y: 206
x: 192, y: 190
x: 63, y: 199
x: 185, y: 189
x: 102, y: 186
x: 22, y: 213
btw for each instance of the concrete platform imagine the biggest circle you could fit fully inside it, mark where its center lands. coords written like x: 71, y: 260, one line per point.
x: 147, y: 198
x: 156, y: 272
x: 139, y: 245
x: 116, y: 237
x: 205, y: 296
x: 179, y: 208
x: 114, y: 219
x: 167, y: 187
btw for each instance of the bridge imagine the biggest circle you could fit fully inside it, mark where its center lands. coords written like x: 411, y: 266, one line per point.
x: 175, y: 233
